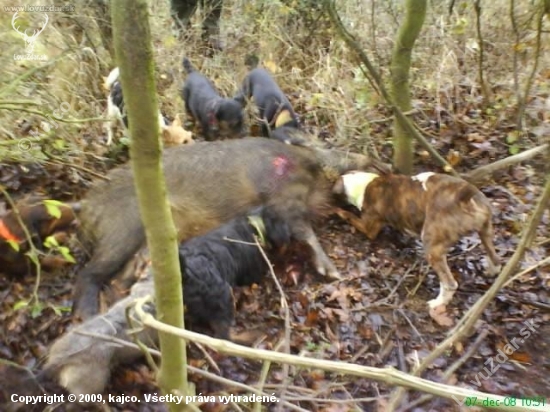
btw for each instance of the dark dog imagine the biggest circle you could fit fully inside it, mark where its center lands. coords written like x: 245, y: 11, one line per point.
x: 210, y: 265
x: 40, y: 224
x: 439, y: 208
x: 218, y: 117
x: 209, y: 184
x: 226, y: 257
x: 275, y: 110
x: 172, y: 133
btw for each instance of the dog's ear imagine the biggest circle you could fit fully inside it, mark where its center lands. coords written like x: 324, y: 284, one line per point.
x: 251, y: 61
x: 240, y: 98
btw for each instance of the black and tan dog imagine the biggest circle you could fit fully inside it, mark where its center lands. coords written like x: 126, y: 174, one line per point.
x: 439, y: 208
x: 40, y: 224
x: 275, y: 111
x: 225, y: 257
x: 218, y: 117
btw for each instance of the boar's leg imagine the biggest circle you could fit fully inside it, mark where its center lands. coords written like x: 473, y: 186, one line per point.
x: 296, y: 204
x: 302, y: 231
x: 89, y: 283
x: 323, y: 264
x: 120, y: 239
x: 83, y: 363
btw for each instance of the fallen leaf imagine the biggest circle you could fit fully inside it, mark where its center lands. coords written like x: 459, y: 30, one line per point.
x: 439, y: 314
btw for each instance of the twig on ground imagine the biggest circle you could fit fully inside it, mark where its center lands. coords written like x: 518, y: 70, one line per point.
x: 452, y: 369
x: 479, y: 175
x: 387, y: 375
x: 284, y: 306
x: 209, y: 359
x: 263, y: 377
x: 537, y: 265
x: 207, y: 375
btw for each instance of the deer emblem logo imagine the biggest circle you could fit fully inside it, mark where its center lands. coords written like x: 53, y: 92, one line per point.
x: 28, y: 38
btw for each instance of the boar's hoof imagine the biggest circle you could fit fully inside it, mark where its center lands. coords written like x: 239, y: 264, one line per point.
x: 327, y: 268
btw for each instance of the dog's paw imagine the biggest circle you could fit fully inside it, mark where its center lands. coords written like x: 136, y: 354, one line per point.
x: 437, y: 302
x: 446, y: 293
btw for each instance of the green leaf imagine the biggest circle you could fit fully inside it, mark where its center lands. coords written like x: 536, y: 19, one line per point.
x: 56, y: 310
x: 66, y: 253
x: 51, y: 242
x: 514, y: 149
x: 512, y: 137
x: 20, y: 305
x: 14, y: 245
x: 59, y: 144
x: 52, y: 206
x: 37, y: 310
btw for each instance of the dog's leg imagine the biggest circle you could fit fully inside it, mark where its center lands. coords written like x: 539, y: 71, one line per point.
x: 436, y: 253
x: 486, y: 234
x: 108, y: 125
x: 114, y: 115
x: 207, y: 131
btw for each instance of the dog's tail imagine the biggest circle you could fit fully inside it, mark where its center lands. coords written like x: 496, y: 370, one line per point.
x: 471, y: 199
x: 251, y: 61
x: 112, y: 78
x: 187, y: 66
x: 466, y: 193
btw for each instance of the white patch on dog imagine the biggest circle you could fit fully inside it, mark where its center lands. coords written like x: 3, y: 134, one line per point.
x: 114, y: 114
x: 112, y: 78
x: 355, y: 184
x: 444, y: 297
x: 423, y: 178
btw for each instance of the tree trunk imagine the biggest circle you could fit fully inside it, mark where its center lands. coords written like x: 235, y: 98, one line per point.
x: 133, y: 49
x: 400, y: 65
